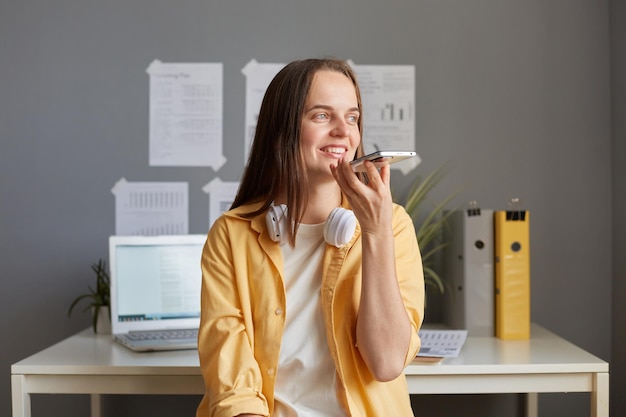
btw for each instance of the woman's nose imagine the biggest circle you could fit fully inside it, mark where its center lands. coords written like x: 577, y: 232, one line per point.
x: 340, y: 128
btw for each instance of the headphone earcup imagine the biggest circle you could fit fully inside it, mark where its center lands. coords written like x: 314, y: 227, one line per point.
x: 339, y: 227
x: 275, y: 220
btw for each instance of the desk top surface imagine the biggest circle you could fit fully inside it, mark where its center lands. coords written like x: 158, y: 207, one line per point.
x: 89, y: 354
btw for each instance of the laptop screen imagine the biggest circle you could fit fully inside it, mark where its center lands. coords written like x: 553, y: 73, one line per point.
x: 155, y: 282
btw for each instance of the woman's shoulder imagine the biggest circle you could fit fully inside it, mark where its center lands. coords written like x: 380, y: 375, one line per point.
x: 238, y: 217
x: 245, y: 211
x: 400, y: 210
x: 401, y: 217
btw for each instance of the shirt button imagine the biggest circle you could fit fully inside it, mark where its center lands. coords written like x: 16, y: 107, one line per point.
x: 278, y: 311
x: 270, y: 372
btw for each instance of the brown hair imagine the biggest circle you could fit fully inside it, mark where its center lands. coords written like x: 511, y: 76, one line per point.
x: 275, y: 163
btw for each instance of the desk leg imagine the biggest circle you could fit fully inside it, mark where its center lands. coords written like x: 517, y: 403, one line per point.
x: 532, y: 404
x: 20, y: 397
x: 600, y: 395
x: 96, y: 405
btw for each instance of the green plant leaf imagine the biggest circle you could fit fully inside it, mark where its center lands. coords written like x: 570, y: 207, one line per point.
x: 100, y: 295
x: 76, y: 301
x: 430, y: 219
x: 94, y: 319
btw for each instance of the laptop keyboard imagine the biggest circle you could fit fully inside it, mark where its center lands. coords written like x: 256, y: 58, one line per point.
x: 164, y: 334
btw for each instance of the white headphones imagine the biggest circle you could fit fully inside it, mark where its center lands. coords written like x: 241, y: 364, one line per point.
x: 338, y: 228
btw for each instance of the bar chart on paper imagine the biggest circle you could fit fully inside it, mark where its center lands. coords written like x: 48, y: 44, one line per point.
x: 151, y: 208
x: 396, y: 112
x: 388, y: 93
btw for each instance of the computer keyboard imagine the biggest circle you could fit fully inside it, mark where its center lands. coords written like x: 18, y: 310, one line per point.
x: 164, y: 334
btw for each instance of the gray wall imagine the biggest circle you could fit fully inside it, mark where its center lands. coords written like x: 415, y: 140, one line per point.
x: 515, y: 96
x: 618, y: 96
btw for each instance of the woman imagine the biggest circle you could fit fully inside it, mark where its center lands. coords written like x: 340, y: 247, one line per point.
x: 292, y: 325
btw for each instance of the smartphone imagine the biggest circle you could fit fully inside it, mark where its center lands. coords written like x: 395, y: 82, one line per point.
x: 380, y: 158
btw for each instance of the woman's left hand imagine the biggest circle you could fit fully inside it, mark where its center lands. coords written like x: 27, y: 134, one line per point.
x: 371, y: 202
x: 383, y: 329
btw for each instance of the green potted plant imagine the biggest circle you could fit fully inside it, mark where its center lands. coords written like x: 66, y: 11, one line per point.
x: 99, y: 296
x: 429, y: 225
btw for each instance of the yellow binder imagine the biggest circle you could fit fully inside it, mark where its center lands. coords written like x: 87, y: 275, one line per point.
x: 512, y: 274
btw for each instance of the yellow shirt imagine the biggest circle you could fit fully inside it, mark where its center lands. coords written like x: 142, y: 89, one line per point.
x: 243, y: 316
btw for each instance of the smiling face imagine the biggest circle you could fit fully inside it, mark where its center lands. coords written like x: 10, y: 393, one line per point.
x: 330, y: 124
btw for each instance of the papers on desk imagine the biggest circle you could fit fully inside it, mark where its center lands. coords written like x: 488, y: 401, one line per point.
x: 441, y: 343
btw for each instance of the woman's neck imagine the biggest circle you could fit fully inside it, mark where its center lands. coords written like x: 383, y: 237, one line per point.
x: 321, y: 201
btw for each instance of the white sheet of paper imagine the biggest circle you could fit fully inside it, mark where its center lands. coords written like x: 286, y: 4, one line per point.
x: 221, y: 196
x: 186, y: 112
x: 258, y: 77
x: 441, y: 343
x: 151, y: 208
x: 388, y: 95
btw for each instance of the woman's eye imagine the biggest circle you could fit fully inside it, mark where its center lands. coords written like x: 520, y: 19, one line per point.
x: 352, y: 118
x: 321, y: 116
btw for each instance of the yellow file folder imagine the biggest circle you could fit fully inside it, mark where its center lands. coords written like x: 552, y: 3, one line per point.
x: 512, y: 274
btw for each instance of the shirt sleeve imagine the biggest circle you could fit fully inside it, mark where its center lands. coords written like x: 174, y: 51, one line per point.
x: 231, y: 374
x: 410, y: 275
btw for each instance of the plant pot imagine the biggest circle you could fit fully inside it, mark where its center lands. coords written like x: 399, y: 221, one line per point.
x: 103, y: 323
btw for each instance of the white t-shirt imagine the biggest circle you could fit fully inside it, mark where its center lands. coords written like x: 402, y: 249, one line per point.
x: 305, y: 381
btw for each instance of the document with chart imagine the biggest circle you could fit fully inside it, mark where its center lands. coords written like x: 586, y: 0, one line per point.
x: 441, y: 343
x: 151, y: 208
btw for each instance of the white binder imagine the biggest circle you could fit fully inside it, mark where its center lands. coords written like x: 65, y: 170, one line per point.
x: 469, y: 272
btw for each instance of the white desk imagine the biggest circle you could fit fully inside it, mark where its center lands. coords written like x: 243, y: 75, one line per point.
x: 90, y: 364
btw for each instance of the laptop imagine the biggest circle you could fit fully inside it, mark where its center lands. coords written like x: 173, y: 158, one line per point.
x: 155, y: 291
